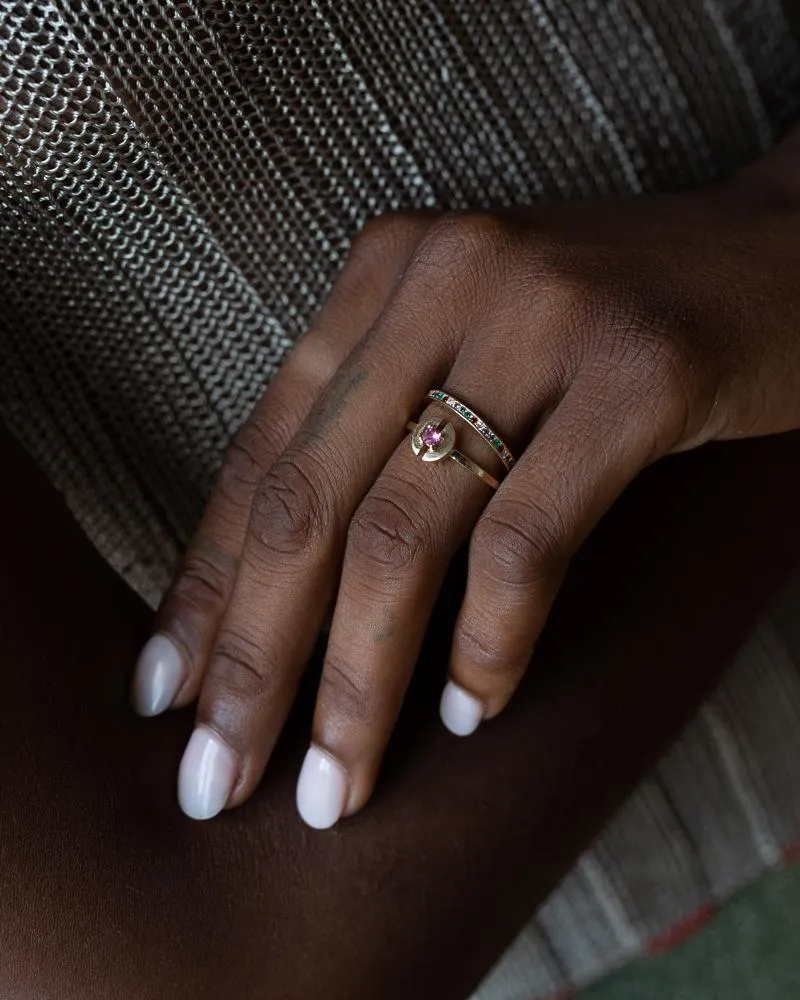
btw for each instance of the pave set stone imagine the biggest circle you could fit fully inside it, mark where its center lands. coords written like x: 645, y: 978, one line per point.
x: 480, y: 425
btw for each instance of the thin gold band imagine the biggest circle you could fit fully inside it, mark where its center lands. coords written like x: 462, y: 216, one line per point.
x: 464, y: 462
x: 471, y: 418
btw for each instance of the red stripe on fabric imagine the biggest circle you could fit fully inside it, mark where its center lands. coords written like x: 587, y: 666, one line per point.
x: 679, y: 932
x: 791, y: 854
x: 694, y: 922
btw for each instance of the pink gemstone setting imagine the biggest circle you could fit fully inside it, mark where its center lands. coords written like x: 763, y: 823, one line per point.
x: 433, y: 440
x: 431, y: 436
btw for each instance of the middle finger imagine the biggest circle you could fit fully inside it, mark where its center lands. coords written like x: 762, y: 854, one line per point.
x: 400, y: 543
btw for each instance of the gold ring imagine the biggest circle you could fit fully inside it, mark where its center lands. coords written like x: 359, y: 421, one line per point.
x: 467, y: 414
x: 433, y: 441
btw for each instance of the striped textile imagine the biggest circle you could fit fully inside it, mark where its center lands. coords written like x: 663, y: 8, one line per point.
x: 720, y: 809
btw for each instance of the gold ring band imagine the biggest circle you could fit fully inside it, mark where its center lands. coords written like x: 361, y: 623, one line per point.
x: 470, y: 417
x: 457, y: 456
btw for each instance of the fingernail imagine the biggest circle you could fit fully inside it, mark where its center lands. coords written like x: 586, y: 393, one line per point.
x: 158, y: 675
x: 206, y: 776
x: 460, y: 712
x: 322, y: 790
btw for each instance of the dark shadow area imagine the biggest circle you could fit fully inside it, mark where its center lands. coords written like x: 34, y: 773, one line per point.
x: 108, y: 893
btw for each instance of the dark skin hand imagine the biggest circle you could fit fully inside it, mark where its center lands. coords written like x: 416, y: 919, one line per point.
x: 594, y: 337
x: 108, y: 893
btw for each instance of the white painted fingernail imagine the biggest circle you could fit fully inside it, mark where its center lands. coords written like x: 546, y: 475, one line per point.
x: 206, y: 776
x: 460, y: 712
x: 322, y: 790
x: 158, y: 676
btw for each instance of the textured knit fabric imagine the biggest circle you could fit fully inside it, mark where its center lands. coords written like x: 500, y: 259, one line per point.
x: 179, y: 183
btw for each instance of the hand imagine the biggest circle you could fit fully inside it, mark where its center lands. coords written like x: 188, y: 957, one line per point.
x: 594, y: 337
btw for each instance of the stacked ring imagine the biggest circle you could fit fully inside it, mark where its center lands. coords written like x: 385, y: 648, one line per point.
x: 434, y: 441
x: 474, y: 421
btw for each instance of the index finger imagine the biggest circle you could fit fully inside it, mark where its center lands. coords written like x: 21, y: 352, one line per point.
x: 170, y: 667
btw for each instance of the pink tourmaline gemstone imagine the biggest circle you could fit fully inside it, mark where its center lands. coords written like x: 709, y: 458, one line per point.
x: 431, y: 436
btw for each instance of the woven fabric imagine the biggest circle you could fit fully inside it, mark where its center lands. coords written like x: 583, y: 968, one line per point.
x: 179, y: 184
x: 719, y: 810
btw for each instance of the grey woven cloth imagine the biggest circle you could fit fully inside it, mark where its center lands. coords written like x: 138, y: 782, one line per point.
x: 179, y: 183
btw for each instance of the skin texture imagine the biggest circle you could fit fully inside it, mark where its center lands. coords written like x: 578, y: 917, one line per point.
x: 596, y: 337
x: 108, y: 893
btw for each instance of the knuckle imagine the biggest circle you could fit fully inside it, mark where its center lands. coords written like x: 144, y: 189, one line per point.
x: 663, y: 355
x: 520, y: 549
x: 239, y: 666
x: 465, y: 235
x: 202, y: 584
x: 567, y: 291
x: 291, y: 512
x: 248, y: 455
x: 383, y: 237
x: 621, y: 332
x: 571, y: 291
x: 378, y: 228
x: 384, y: 534
x: 472, y: 642
x: 466, y: 247
x: 640, y: 343
x: 345, y: 694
